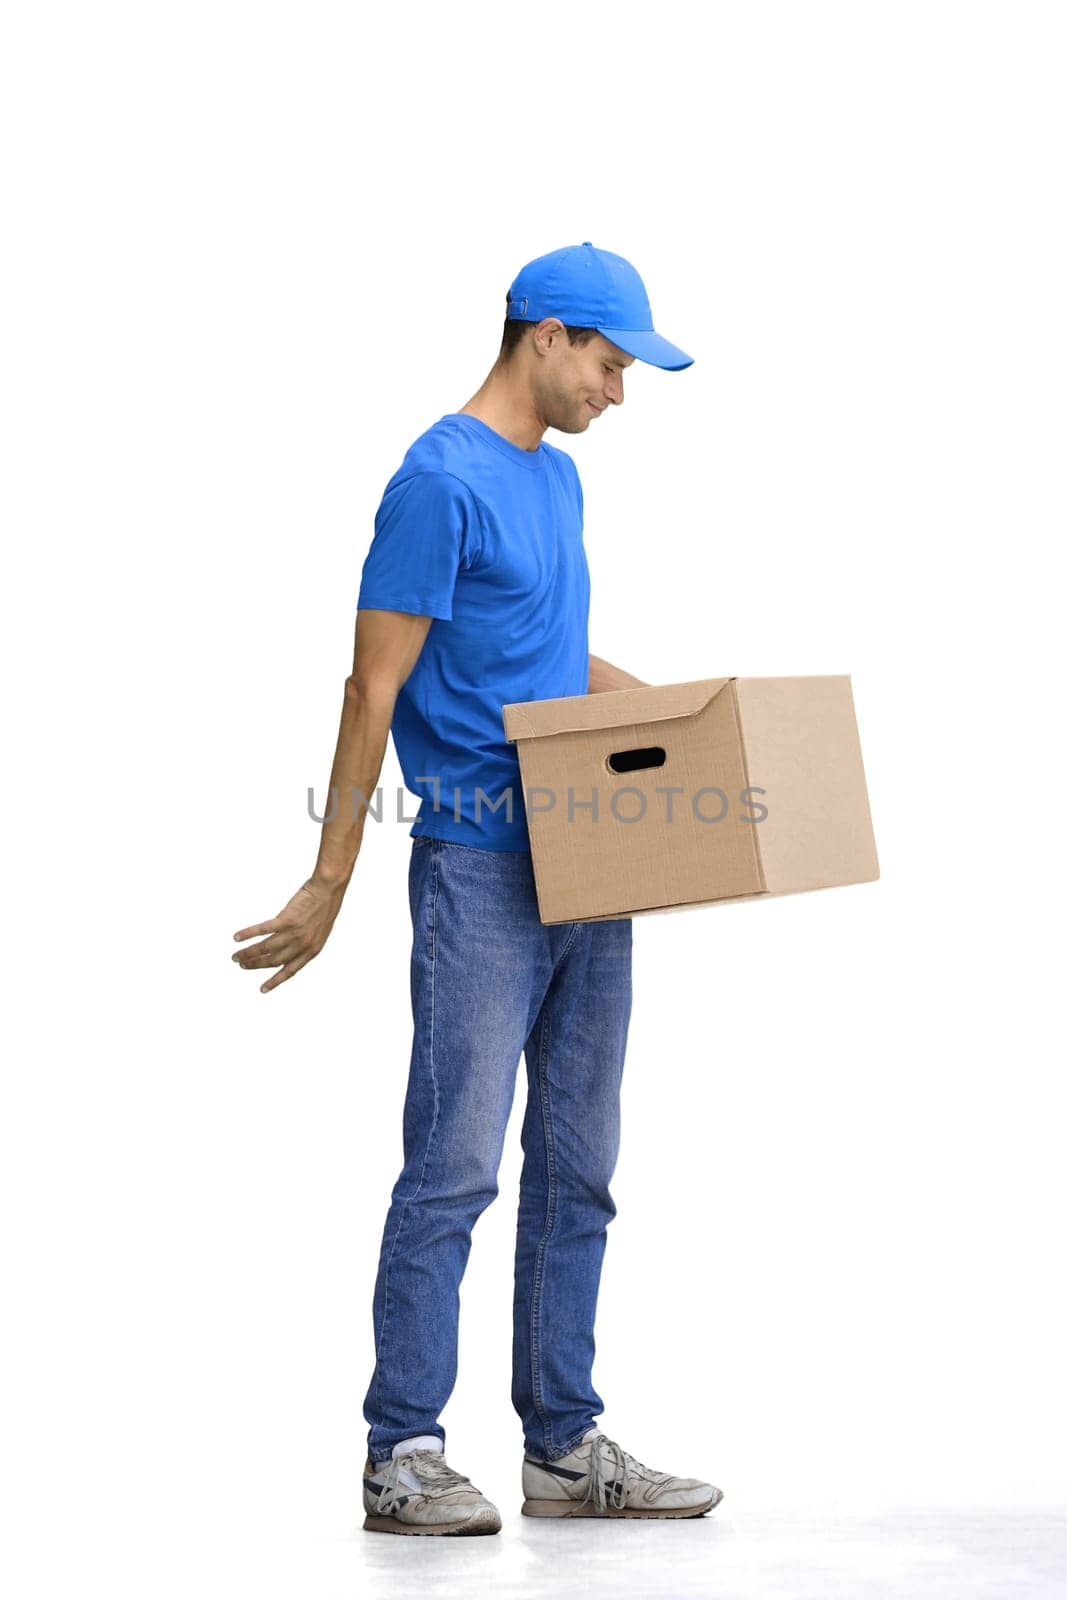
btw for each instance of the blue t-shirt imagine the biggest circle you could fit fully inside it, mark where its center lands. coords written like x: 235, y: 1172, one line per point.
x: 486, y: 538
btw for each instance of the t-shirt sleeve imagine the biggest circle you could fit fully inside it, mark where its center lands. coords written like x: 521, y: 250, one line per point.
x: 577, y: 486
x: 425, y: 533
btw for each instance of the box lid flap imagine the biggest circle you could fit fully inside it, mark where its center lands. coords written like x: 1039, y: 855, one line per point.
x: 614, y: 708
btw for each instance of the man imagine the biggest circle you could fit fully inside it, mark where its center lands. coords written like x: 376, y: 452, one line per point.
x: 474, y: 594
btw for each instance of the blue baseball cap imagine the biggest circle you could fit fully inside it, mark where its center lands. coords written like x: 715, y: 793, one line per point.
x: 589, y: 288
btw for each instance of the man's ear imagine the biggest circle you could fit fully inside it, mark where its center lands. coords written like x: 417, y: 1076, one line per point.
x: 548, y: 332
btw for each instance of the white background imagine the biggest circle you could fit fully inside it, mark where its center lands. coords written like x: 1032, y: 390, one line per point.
x: 252, y: 252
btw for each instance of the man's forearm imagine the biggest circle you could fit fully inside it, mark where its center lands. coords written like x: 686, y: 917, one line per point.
x: 361, y: 743
x: 603, y: 677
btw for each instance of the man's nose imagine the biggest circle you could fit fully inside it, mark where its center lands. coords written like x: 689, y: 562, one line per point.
x: 613, y: 390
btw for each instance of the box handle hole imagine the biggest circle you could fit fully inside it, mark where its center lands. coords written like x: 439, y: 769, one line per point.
x: 634, y: 760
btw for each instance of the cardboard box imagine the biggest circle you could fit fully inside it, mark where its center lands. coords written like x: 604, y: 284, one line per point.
x: 688, y: 794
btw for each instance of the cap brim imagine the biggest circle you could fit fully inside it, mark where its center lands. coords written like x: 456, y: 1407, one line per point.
x: 650, y: 347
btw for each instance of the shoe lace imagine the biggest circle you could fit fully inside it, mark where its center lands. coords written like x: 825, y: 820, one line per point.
x: 609, y: 1476
x: 610, y: 1472
x: 432, y: 1471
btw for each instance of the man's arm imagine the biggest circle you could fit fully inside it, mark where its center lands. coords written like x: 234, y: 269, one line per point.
x: 386, y: 649
x: 603, y: 676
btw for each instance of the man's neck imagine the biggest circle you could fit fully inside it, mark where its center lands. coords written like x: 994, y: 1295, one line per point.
x: 508, y: 411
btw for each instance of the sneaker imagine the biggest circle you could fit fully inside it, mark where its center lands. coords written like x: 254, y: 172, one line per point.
x: 600, y: 1479
x: 417, y: 1492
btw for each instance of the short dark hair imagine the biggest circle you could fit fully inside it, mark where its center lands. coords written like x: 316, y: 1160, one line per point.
x: 514, y: 330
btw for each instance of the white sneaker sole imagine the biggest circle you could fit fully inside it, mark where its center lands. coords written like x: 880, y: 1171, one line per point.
x: 575, y: 1508
x: 485, y: 1521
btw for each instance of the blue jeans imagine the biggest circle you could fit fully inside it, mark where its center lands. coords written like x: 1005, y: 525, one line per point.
x: 490, y: 982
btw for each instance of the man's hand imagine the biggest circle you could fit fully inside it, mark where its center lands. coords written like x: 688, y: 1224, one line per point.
x: 603, y: 677
x: 297, y: 934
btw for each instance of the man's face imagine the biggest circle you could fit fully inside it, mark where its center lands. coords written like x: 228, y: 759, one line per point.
x: 577, y: 385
